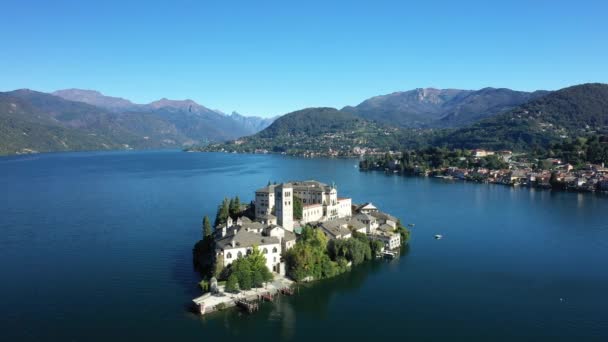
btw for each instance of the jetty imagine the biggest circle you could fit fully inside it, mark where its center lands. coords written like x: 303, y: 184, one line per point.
x: 248, y: 300
x: 248, y: 305
x: 389, y: 254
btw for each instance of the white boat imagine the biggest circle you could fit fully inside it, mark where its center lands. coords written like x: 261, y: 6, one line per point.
x: 438, y: 236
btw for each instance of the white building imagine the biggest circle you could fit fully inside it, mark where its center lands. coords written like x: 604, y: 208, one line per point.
x: 320, y: 202
x: 237, y: 238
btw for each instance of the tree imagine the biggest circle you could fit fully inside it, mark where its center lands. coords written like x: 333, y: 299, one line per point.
x: 206, y: 227
x: 242, y: 269
x: 404, y: 232
x: 259, y: 271
x: 223, y: 212
x: 257, y: 279
x: 234, y: 206
x: 232, y: 284
x: 376, y: 246
x: 219, y: 266
x: 297, y: 208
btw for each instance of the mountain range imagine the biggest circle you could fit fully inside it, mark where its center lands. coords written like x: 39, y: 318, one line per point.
x: 76, y: 119
x: 544, y: 118
x: 440, y: 108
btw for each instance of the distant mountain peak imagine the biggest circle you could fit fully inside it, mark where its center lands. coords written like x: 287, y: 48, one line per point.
x: 95, y: 98
x: 187, y: 104
x: 434, y: 107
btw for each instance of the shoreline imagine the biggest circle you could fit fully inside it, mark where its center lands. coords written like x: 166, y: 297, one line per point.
x: 210, y: 303
x: 456, y: 179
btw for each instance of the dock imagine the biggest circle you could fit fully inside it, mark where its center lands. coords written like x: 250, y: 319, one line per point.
x: 248, y: 300
x: 389, y: 254
x: 248, y: 305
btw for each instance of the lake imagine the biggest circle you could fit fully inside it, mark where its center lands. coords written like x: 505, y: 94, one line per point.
x: 97, y: 247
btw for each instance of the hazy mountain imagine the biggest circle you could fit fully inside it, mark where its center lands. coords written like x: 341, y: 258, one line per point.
x: 33, y: 121
x: 570, y: 112
x: 430, y: 107
x: 196, y: 121
x: 37, y: 121
x: 96, y: 98
x: 253, y: 124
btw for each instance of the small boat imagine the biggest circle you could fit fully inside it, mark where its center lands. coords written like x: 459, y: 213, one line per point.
x: 411, y: 224
x: 438, y: 236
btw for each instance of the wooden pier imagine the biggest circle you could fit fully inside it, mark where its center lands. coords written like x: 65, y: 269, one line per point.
x: 249, y: 305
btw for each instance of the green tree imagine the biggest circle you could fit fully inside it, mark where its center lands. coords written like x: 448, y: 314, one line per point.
x: 234, y: 206
x: 223, y: 212
x: 404, y: 232
x: 297, y: 208
x: 376, y: 246
x: 232, y: 284
x: 219, y: 266
x: 257, y: 262
x: 206, y: 227
x: 242, y: 269
x: 257, y: 279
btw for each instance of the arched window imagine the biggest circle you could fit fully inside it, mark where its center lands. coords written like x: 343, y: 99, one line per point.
x: 240, y: 254
x: 274, y: 250
x: 248, y: 251
x: 229, y: 255
x: 265, y: 250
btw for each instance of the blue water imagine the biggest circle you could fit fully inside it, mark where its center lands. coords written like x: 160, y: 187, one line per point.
x: 97, y: 247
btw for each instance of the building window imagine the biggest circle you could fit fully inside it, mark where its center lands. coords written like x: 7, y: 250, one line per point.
x: 229, y: 255
x: 239, y: 255
x: 274, y: 250
x: 265, y: 251
x: 248, y: 251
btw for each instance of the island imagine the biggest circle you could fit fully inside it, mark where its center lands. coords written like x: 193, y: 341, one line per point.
x: 297, y: 231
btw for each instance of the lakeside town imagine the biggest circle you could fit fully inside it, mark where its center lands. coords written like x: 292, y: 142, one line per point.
x: 296, y: 231
x: 498, y: 167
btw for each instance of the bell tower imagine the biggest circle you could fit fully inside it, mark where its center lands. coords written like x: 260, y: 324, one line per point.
x: 283, y: 197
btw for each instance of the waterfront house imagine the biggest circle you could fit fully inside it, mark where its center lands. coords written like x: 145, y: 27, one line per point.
x: 386, y: 234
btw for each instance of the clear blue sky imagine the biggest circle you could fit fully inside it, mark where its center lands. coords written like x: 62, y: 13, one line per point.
x: 272, y: 57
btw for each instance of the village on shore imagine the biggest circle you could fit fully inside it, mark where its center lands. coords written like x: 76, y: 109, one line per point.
x: 258, y: 250
x: 512, y: 169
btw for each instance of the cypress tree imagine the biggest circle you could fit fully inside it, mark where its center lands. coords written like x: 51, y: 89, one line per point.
x: 235, y: 206
x: 223, y: 211
x: 206, y: 226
